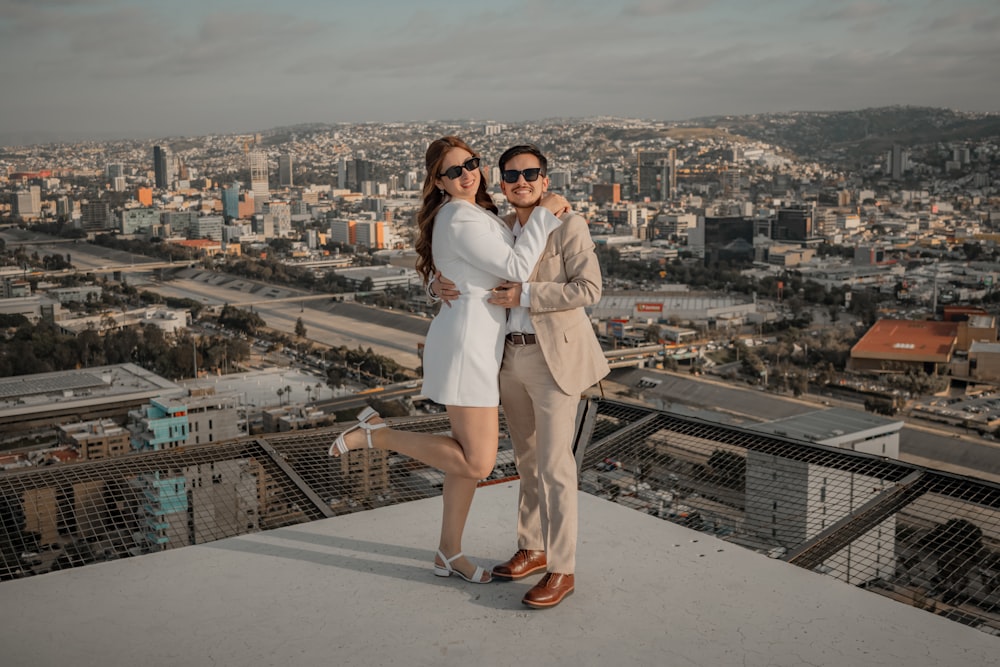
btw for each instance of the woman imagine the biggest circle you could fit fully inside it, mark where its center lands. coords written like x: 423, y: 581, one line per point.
x: 461, y: 236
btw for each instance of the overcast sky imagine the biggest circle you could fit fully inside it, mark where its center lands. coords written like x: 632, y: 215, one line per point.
x: 136, y: 68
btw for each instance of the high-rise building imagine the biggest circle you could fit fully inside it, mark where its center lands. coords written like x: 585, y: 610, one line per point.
x: 342, y: 231
x: 793, y: 224
x: 606, y: 193
x: 64, y: 206
x: 656, y: 174
x: 231, y: 201
x: 722, y: 238
x: 730, y: 181
x: 206, y: 227
x: 96, y: 217
x: 164, y: 167
x: 898, y: 162
x: 342, y: 173
x: 285, y: 170
x: 825, y: 222
x: 672, y: 176
x: 257, y: 163
x: 282, y: 214
x: 263, y: 225
x: 113, y: 170
x: 179, y: 222
x: 370, y: 234
x: 358, y: 171
x: 560, y: 180
x: 28, y: 203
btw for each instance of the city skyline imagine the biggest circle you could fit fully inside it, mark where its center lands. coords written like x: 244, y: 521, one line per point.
x: 127, y: 69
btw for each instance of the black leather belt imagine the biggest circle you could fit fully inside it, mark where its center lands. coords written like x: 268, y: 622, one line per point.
x: 521, y: 339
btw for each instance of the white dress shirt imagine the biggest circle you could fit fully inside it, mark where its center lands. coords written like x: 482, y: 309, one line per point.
x: 519, y: 320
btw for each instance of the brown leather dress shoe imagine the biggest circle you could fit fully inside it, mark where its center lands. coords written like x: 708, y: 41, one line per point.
x: 550, y: 591
x: 520, y: 565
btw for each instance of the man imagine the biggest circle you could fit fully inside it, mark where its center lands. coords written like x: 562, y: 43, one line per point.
x: 550, y: 357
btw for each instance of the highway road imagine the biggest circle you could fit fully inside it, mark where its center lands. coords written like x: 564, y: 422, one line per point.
x: 389, y: 333
x: 396, y: 335
x: 83, y: 256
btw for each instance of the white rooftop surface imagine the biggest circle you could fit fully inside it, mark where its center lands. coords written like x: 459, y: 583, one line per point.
x: 829, y: 424
x: 358, y: 590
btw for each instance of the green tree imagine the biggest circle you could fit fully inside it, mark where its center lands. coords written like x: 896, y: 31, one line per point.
x: 246, y: 321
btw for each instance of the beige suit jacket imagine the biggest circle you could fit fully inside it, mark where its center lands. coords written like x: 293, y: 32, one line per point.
x: 566, y: 279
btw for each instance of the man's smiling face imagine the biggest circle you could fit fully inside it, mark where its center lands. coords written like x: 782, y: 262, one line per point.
x: 524, y: 193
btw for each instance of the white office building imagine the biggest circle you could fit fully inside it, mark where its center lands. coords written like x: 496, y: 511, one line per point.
x: 789, y: 502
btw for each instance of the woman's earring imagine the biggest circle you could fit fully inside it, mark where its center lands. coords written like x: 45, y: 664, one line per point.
x: 441, y: 192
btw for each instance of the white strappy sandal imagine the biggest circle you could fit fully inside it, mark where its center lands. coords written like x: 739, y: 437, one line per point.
x: 339, y: 445
x: 447, y: 570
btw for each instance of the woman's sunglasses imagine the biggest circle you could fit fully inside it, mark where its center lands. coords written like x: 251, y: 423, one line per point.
x: 530, y: 175
x: 456, y: 171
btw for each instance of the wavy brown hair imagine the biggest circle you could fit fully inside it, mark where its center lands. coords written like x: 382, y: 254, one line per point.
x: 433, y: 199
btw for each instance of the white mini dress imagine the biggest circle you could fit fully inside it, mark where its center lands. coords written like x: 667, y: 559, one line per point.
x: 464, y: 346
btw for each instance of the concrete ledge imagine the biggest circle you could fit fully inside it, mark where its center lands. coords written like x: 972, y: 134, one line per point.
x: 359, y: 590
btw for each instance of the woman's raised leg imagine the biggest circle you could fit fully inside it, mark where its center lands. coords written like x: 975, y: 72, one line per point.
x: 469, y: 452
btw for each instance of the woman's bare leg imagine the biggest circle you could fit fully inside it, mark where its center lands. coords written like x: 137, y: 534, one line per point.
x: 478, y: 431
x: 469, y: 452
x: 457, y: 500
x: 466, y: 457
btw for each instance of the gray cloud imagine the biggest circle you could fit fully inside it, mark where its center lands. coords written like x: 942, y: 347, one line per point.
x: 112, y: 64
x: 224, y: 42
x: 650, y: 8
x: 859, y: 11
x: 975, y: 19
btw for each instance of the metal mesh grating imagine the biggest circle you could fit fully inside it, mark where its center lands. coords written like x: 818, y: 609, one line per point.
x: 920, y: 536
x: 69, y: 515
x: 924, y: 537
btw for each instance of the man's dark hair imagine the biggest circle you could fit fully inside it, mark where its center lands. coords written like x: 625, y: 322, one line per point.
x: 532, y: 149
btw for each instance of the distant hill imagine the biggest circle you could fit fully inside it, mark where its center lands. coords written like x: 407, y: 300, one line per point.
x: 857, y: 133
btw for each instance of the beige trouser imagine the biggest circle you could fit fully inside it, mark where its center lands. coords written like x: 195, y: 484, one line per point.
x: 542, y: 421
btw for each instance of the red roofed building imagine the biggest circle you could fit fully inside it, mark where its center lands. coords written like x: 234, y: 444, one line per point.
x: 30, y: 175
x: 64, y: 455
x: 893, y: 346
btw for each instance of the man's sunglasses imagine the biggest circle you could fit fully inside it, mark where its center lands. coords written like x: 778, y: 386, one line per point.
x: 456, y: 171
x: 530, y: 175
